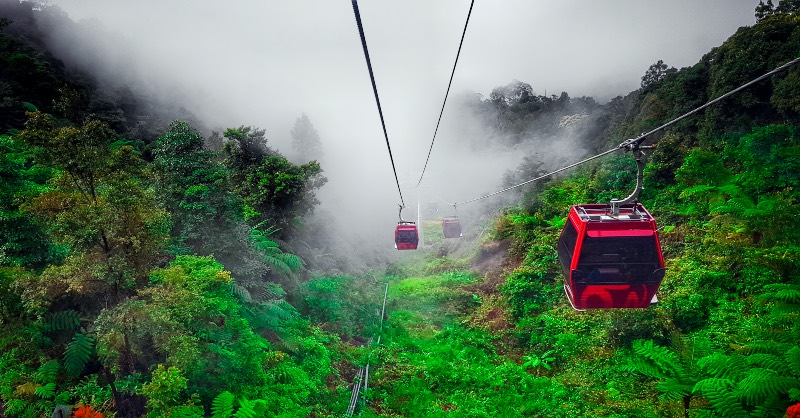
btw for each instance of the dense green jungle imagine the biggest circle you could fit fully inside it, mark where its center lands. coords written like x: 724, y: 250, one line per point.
x: 147, y: 266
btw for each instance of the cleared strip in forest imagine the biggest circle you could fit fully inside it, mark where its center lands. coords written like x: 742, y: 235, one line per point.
x: 362, y: 374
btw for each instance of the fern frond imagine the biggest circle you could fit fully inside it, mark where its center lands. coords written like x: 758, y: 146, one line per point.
x: 792, y: 357
x: 294, y: 262
x: 260, y: 407
x: 721, y: 366
x: 645, y: 367
x: 78, y: 353
x: 46, y: 392
x: 241, y: 293
x: 766, y: 205
x: 662, y: 358
x: 265, y: 244
x: 47, y: 372
x: 277, y: 264
x: 287, y: 373
x: 271, y: 314
x: 772, y: 407
x: 222, y: 406
x: 731, y: 190
x: 62, y: 321
x: 266, y: 291
x: 246, y: 409
x: 675, y: 389
x: 781, y: 292
x: 26, y: 389
x: 794, y: 395
x: 723, y: 400
x: 275, y: 290
x: 769, y: 361
x: 186, y: 411
x: 278, y: 308
x: 761, y: 384
x: 764, y: 346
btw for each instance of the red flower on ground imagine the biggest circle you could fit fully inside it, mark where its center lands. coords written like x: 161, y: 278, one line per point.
x: 86, y: 411
x: 793, y: 411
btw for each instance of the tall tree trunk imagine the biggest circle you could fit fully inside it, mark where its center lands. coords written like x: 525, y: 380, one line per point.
x: 687, y: 400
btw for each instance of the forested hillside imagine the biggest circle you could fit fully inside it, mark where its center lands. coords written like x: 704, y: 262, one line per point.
x: 147, y: 265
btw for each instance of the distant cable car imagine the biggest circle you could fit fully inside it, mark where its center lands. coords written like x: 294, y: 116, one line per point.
x: 451, y: 226
x: 610, y: 254
x: 610, y: 261
x: 406, y: 236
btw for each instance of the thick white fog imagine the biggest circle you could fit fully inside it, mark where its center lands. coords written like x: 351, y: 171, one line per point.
x: 263, y: 63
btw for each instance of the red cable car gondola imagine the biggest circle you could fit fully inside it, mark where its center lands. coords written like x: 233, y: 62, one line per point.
x: 610, y: 261
x: 451, y: 227
x: 610, y: 254
x: 406, y: 236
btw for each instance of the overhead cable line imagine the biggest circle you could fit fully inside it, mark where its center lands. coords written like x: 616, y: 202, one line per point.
x: 377, y: 100
x: 687, y: 114
x: 540, y: 177
x: 446, y: 93
x: 634, y: 142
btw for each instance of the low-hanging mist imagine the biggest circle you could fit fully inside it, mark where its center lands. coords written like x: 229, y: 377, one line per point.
x: 263, y: 64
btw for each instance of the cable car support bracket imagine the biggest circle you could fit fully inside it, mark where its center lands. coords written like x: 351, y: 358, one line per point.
x: 638, y: 155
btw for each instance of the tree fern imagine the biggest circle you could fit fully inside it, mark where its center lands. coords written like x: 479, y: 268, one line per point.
x: 792, y: 358
x: 222, y: 406
x: 784, y: 300
x: 241, y: 292
x: 722, y: 398
x: 280, y: 262
x: 62, y: 321
x: 675, y: 369
x: 771, y: 362
x: 270, y: 314
x: 762, y: 384
x: 265, y: 291
x: 186, y: 411
x: 78, y: 353
x: 724, y: 367
x: 250, y: 409
x: 655, y: 361
x: 45, y: 391
x: 47, y: 372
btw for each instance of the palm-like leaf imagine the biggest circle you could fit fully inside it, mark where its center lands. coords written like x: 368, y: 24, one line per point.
x: 47, y: 372
x: 278, y: 261
x: 78, y: 353
x: 720, y: 395
x: 761, y: 384
x: 62, y: 321
x: 46, y: 391
x: 222, y: 406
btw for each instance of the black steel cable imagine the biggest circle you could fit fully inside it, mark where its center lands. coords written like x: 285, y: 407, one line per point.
x: 446, y: 93
x: 638, y: 140
x: 540, y: 177
x: 377, y: 100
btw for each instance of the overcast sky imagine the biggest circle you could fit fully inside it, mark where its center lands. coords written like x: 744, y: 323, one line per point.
x: 264, y: 62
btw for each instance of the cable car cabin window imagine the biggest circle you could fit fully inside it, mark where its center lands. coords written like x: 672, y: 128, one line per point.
x: 566, y: 245
x: 407, y: 236
x: 619, y: 259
